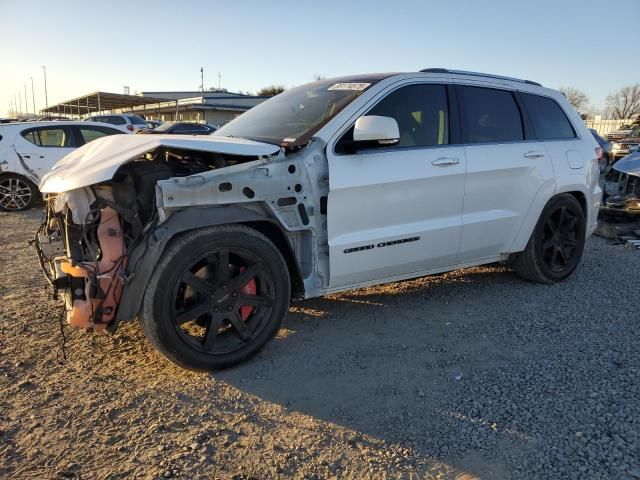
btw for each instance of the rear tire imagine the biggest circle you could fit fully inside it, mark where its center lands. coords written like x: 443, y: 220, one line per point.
x: 556, y: 245
x: 217, y: 296
x: 17, y: 193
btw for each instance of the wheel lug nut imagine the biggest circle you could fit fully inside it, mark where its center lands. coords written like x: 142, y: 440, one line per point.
x: 234, y: 294
x: 229, y: 308
x: 215, y: 309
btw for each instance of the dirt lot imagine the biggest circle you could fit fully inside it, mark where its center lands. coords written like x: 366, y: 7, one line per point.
x: 470, y: 374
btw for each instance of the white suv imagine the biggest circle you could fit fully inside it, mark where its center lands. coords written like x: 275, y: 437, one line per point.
x: 29, y: 150
x: 131, y: 123
x: 329, y: 186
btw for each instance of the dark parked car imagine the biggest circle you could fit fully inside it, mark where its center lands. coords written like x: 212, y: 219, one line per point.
x: 606, y: 150
x: 183, y: 128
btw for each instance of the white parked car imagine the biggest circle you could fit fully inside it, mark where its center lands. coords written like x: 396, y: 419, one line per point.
x: 131, y: 123
x: 329, y: 186
x: 28, y: 150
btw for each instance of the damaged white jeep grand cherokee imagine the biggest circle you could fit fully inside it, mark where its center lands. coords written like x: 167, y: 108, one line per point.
x: 326, y: 187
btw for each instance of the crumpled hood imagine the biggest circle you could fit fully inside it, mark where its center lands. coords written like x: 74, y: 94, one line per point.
x: 99, y: 160
x: 629, y: 164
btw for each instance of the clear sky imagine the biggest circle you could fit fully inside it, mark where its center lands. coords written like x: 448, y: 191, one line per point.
x: 160, y: 45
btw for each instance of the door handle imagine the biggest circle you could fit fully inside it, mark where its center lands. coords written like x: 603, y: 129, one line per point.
x: 534, y: 154
x: 26, y: 156
x: 446, y: 161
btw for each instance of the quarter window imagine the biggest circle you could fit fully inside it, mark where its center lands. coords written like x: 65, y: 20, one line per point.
x: 47, y: 137
x: 549, y: 120
x: 489, y: 115
x: 421, y: 112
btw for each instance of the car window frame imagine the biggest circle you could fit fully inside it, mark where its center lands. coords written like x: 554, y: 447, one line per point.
x: 453, y: 119
x: 66, y: 128
x: 80, y: 138
x: 527, y: 129
x: 576, y: 131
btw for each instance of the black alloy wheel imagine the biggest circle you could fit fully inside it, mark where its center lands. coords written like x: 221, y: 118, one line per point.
x: 222, y: 300
x: 216, y: 297
x: 560, y: 238
x: 556, y: 245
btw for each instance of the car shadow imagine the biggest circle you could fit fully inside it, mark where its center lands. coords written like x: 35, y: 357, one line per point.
x: 387, y: 361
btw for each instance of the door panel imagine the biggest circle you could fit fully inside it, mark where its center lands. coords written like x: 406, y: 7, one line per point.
x: 504, y: 171
x: 379, y: 198
x: 502, y: 182
x: 394, y: 211
x: 41, y: 147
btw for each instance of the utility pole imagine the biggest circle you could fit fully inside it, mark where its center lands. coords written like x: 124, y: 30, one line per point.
x: 202, y: 80
x: 20, y: 98
x: 26, y: 102
x: 46, y: 99
x: 33, y: 96
x: 219, y: 77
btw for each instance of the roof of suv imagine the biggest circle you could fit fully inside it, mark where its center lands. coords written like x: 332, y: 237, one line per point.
x: 376, y: 77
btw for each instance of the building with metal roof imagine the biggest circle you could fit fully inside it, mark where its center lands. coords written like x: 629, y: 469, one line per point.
x: 213, y: 107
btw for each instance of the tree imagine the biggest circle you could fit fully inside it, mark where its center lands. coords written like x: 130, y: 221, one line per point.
x: 271, y: 91
x: 577, y: 98
x: 625, y: 103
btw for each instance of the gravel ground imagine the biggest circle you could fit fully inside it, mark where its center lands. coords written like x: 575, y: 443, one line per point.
x: 470, y: 374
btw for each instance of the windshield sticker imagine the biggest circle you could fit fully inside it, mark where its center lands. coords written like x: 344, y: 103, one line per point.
x: 349, y: 86
x: 288, y: 140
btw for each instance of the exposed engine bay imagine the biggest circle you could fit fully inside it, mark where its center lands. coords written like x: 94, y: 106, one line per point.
x: 87, y: 236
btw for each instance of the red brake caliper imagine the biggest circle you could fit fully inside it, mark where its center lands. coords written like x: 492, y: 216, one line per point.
x: 248, y: 289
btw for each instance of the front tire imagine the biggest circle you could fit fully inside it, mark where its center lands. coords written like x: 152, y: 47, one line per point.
x: 216, y: 298
x: 16, y: 193
x: 556, y: 245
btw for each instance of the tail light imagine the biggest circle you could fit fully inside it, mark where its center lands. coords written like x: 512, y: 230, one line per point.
x: 599, y: 153
x: 130, y: 128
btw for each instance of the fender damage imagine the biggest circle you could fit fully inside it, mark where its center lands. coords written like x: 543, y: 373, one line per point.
x: 113, y: 206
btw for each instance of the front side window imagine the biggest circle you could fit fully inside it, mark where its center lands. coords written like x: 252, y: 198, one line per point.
x: 549, y: 120
x: 421, y: 112
x: 89, y: 134
x: 47, y: 137
x: 489, y: 115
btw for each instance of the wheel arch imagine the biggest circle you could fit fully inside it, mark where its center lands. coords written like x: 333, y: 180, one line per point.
x: 145, y: 257
x: 547, y: 193
x: 36, y: 191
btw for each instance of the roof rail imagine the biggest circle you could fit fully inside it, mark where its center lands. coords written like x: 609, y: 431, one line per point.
x: 477, y: 74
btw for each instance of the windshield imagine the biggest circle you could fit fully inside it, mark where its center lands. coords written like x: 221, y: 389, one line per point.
x: 292, y: 117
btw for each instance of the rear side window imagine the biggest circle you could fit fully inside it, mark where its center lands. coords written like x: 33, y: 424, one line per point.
x: 47, y: 137
x: 549, y: 120
x: 112, y: 119
x: 91, y: 133
x: 182, y: 128
x: 489, y: 115
x: 136, y: 120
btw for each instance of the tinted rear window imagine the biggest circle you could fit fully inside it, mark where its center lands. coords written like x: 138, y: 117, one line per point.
x: 489, y: 115
x: 91, y: 133
x: 135, y: 119
x: 112, y: 119
x: 549, y: 120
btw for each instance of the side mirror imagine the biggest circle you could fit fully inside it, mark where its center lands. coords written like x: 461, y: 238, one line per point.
x: 376, y: 129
